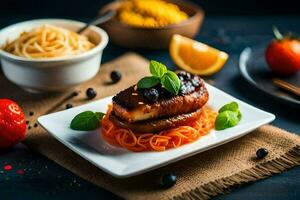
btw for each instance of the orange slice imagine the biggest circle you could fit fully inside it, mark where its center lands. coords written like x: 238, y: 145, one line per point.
x: 196, y: 57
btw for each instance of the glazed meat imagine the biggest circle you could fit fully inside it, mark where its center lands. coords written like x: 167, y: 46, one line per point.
x: 156, y: 125
x: 131, y: 106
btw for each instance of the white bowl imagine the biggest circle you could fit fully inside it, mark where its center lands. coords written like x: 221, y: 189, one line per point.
x: 52, y: 74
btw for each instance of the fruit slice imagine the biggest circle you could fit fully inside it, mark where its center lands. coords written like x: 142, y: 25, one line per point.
x: 196, y: 57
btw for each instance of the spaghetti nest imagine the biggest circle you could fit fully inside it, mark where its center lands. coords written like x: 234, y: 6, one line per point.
x: 171, y: 138
x: 48, y: 41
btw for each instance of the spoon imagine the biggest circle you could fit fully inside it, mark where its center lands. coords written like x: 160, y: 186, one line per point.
x: 99, y: 20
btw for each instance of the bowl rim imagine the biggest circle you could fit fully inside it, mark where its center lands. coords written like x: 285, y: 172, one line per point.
x: 100, y: 46
x: 199, y: 12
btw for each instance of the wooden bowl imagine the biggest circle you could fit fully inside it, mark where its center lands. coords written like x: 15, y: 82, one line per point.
x: 153, y: 38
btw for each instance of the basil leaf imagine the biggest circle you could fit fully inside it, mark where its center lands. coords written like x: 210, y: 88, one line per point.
x: 171, y: 82
x: 148, y: 82
x: 157, y: 69
x: 229, y: 116
x: 86, y: 121
x: 226, y: 119
x: 239, y: 115
x: 100, y: 115
x: 233, y: 106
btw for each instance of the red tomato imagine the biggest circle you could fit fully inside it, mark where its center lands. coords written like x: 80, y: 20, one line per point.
x: 283, y: 55
x: 12, y: 123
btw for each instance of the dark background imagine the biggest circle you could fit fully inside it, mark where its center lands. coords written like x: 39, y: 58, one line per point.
x: 89, y: 8
x: 230, y: 25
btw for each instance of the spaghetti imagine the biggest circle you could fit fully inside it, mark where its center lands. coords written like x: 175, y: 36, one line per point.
x: 162, y: 141
x: 48, y: 41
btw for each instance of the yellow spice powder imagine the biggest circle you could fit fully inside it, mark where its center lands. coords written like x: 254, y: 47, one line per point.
x: 150, y: 13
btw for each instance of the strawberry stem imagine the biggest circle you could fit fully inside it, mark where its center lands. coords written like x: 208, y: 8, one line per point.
x: 277, y: 34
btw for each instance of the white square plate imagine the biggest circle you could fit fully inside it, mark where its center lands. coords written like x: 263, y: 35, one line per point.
x: 122, y: 163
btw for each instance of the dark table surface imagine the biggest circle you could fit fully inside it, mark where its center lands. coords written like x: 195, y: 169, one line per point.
x: 44, y: 179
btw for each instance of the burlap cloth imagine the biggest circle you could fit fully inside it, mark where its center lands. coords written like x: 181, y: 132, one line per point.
x: 199, y: 177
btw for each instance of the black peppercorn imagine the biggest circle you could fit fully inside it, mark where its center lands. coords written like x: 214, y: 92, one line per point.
x: 168, y: 180
x: 91, y: 93
x: 115, y: 76
x: 68, y: 106
x: 261, y: 153
x: 74, y: 94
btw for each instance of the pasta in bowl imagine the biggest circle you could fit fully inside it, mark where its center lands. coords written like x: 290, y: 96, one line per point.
x: 49, y: 41
x: 48, y: 55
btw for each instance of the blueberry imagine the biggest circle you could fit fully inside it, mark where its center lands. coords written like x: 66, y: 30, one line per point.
x: 168, y: 180
x: 181, y: 78
x: 151, y: 94
x: 186, y: 88
x: 115, y: 76
x: 261, y: 153
x: 31, y: 113
x: 69, y: 106
x: 91, y: 93
x: 184, y: 75
x: 196, y: 82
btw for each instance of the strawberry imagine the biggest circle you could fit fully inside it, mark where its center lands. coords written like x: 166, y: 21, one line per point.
x: 12, y: 123
x: 283, y: 54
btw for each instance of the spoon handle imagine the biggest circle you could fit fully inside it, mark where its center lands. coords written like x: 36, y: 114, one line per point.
x: 98, y: 20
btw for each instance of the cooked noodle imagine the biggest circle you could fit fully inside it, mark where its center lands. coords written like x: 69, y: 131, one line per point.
x: 48, y: 41
x: 171, y: 138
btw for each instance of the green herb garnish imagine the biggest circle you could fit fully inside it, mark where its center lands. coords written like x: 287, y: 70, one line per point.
x: 160, y: 75
x: 171, y: 82
x: 86, y: 121
x: 233, y: 106
x: 148, y: 82
x: 157, y: 69
x: 226, y: 119
x: 229, y: 116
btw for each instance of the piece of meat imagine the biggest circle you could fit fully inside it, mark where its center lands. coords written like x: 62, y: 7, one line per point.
x: 157, y: 125
x: 131, y: 106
